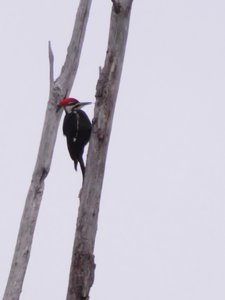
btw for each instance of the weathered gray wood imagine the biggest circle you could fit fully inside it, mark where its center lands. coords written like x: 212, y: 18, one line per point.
x: 83, y: 266
x: 58, y: 89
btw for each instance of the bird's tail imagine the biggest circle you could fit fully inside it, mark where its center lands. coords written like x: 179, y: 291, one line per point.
x: 82, y: 166
x: 75, y: 164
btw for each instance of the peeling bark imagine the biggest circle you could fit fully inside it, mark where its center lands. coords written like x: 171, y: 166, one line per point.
x: 83, y: 266
x: 58, y: 89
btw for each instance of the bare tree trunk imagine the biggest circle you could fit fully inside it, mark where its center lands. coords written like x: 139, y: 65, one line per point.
x: 58, y: 89
x: 83, y: 266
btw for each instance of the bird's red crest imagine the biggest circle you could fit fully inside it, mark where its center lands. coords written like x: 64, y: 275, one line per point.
x: 67, y: 101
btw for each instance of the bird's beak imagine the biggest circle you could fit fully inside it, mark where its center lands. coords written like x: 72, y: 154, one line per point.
x: 82, y: 104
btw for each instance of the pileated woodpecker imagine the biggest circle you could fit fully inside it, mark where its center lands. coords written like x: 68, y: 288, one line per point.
x: 76, y: 128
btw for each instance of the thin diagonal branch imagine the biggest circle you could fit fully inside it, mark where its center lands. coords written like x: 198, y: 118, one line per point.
x: 58, y: 90
x: 51, y: 64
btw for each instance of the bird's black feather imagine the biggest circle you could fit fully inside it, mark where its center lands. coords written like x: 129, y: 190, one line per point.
x: 77, y: 129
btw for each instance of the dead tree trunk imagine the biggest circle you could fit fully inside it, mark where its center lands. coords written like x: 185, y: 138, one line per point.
x: 58, y: 89
x: 82, y: 266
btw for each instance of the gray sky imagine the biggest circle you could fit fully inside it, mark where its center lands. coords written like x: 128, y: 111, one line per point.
x: 161, y: 232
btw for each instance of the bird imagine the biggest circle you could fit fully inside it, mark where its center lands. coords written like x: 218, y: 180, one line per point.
x: 76, y: 128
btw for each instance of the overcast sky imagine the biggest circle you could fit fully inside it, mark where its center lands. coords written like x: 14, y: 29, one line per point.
x: 161, y: 232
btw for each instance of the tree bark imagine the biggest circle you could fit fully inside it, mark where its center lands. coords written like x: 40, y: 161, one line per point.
x: 83, y: 265
x: 58, y: 89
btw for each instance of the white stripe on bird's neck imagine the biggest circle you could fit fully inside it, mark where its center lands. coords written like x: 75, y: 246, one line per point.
x: 70, y: 109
